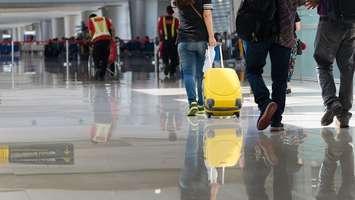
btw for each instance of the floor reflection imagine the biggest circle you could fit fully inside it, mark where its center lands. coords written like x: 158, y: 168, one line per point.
x: 130, y: 138
x: 339, y: 149
x: 212, y: 147
x: 274, y: 155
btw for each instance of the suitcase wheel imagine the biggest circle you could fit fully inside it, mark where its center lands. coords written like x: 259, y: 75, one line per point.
x: 210, y: 134
x: 237, y: 115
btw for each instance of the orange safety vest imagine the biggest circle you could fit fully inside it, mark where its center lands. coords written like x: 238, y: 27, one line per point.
x: 101, y: 28
x: 166, y: 28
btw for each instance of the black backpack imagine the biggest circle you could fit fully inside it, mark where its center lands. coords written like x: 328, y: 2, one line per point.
x: 342, y: 9
x: 257, y: 20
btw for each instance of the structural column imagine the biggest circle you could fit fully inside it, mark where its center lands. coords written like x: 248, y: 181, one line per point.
x: 120, y: 17
x: 151, y: 16
x: 46, y: 28
x: 71, y: 25
x: 38, y: 30
x: 138, y: 14
x: 14, y: 34
x: 57, y: 27
x: 20, y: 33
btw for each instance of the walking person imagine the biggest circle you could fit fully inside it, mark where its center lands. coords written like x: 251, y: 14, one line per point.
x: 275, y: 37
x: 100, y: 29
x: 335, y: 40
x: 168, y: 27
x: 195, y: 33
x: 294, y: 52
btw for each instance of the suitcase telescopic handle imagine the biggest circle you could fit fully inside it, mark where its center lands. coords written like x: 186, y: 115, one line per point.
x: 221, y: 54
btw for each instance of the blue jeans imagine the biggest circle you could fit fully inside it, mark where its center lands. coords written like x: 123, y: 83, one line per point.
x: 192, y: 58
x: 256, y: 54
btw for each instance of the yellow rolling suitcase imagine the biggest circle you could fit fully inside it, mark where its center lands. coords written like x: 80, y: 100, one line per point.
x: 222, y: 148
x: 222, y: 91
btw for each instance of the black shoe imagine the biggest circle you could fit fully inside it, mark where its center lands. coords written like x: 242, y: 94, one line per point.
x: 343, y: 120
x: 288, y: 91
x: 334, y: 110
x: 277, y: 127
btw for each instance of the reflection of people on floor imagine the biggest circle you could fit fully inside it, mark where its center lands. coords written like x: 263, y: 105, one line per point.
x: 194, y: 183
x: 170, y: 124
x: 104, y: 114
x: 263, y: 155
x: 339, y: 148
x: 170, y: 120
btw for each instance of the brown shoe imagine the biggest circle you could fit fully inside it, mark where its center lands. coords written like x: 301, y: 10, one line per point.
x: 266, y: 117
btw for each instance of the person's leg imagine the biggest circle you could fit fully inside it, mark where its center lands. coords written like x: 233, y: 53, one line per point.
x: 326, y: 189
x: 105, y: 57
x: 165, y: 56
x: 200, y: 59
x: 255, y: 170
x: 255, y: 61
x: 174, y: 58
x: 102, y: 54
x: 347, y: 173
x: 188, y: 61
x: 96, y: 58
x: 326, y: 45
x: 280, y: 57
x: 345, y: 59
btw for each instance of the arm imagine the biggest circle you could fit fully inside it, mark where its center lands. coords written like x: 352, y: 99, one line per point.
x: 177, y: 24
x: 298, y: 26
x: 207, y: 17
x: 111, y: 28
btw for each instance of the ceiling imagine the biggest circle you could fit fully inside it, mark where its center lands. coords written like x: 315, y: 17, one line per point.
x: 18, y: 12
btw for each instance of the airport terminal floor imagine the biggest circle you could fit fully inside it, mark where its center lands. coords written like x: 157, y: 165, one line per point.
x: 129, y: 139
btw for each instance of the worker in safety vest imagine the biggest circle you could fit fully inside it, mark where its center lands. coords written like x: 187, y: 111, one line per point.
x: 100, y: 29
x: 168, y: 27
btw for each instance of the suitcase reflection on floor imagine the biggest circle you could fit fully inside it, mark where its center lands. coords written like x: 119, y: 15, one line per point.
x: 212, y: 146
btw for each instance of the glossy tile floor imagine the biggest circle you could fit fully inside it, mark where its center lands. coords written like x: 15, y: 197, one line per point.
x: 130, y: 140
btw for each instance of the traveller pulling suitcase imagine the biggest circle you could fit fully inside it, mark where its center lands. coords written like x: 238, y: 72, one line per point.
x: 222, y: 91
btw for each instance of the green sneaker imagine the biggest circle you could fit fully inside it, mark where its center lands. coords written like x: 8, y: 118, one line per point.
x: 201, y: 110
x: 193, y: 109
